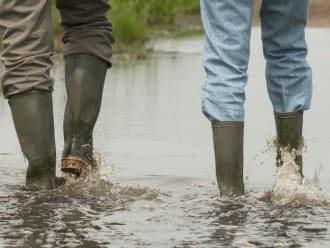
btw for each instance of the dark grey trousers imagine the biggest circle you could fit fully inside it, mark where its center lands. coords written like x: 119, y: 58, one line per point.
x: 26, y: 28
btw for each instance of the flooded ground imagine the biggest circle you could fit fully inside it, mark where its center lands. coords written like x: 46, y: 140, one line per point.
x: 156, y: 185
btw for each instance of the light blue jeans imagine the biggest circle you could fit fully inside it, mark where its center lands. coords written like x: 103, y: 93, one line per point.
x: 227, y: 25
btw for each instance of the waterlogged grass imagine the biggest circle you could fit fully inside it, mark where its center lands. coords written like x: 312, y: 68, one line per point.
x: 130, y: 29
x: 153, y: 12
x: 135, y: 20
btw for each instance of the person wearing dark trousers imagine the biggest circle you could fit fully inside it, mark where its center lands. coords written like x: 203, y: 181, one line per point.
x: 26, y: 28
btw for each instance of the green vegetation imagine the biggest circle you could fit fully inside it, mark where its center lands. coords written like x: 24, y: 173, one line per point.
x: 136, y: 21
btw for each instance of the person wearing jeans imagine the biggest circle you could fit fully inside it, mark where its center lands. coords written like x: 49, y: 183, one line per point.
x: 26, y: 29
x: 227, y: 26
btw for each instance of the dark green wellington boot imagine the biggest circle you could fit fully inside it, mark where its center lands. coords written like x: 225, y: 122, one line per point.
x: 33, y: 118
x: 289, y: 135
x: 84, y: 79
x: 228, y: 148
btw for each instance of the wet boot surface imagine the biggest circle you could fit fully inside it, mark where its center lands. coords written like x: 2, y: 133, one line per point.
x: 84, y: 79
x: 228, y: 149
x: 33, y: 119
x: 289, y: 136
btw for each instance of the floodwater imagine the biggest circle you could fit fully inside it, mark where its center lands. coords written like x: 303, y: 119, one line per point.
x: 156, y: 182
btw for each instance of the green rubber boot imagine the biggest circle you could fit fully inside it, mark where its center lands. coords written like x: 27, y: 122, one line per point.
x: 228, y: 148
x: 84, y: 79
x: 289, y: 135
x: 33, y: 119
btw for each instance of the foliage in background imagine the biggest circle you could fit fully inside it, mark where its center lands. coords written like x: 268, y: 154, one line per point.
x: 133, y: 19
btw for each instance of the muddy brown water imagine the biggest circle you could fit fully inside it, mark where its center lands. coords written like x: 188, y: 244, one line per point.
x: 156, y: 183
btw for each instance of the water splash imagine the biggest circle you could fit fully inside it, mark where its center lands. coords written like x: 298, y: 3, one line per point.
x: 292, y: 188
x: 257, y: 160
x: 97, y: 183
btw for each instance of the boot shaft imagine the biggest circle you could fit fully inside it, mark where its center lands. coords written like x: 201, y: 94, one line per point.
x: 84, y: 80
x: 32, y: 114
x: 289, y: 127
x: 228, y: 149
x: 33, y: 119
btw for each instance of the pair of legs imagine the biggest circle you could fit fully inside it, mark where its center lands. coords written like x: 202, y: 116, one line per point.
x: 28, y: 46
x: 227, y: 26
